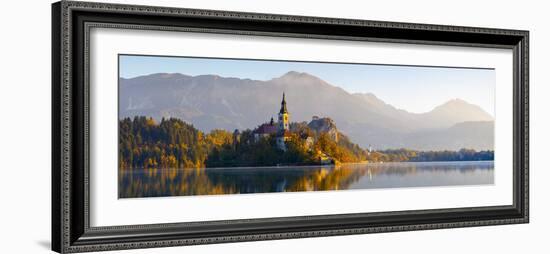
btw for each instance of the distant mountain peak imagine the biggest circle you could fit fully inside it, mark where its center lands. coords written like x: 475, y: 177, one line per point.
x: 294, y: 74
x: 458, y: 110
x: 301, y: 79
x: 211, y: 101
x: 455, y: 102
x: 168, y: 75
x: 298, y: 75
x: 459, y: 104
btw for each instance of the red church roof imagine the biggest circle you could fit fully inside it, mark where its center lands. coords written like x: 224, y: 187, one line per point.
x: 266, y: 128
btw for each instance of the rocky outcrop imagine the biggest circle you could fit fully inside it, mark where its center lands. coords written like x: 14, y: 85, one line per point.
x: 324, y: 125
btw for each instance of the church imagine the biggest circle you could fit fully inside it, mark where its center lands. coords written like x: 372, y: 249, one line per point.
x: 281, y: 129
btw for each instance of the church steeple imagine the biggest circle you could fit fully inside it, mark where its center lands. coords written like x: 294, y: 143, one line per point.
x: 283, y: 106
x: 283, y: 126
x: 283, y: 123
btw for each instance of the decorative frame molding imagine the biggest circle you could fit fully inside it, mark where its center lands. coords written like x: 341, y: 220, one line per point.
x: 71, y: 22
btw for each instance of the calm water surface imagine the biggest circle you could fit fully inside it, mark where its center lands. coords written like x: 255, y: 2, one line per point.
x: 184, y: 182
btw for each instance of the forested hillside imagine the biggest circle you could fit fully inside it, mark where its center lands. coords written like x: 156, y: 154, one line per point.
x: 173, y: 143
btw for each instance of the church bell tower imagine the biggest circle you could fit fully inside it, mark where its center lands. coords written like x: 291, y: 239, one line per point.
x: 283, y: 117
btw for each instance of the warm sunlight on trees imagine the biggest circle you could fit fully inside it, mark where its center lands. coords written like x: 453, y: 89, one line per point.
x: 174, y: 143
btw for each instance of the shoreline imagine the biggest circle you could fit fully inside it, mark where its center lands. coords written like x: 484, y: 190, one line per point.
x: 308, y: 166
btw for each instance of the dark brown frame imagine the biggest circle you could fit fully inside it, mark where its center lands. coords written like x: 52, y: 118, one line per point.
x: 71, y: 22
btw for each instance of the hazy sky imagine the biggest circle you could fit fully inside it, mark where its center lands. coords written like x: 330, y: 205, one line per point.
x: 415, y: 89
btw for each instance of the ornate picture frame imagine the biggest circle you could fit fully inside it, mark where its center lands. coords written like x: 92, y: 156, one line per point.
x: 71, y: 196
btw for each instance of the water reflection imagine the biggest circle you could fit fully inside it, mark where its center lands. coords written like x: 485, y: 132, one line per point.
x: 184, y: 182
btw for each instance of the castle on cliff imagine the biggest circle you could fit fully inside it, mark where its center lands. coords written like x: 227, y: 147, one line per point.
x: 281, y: 131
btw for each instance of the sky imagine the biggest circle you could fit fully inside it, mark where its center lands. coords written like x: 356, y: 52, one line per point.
x: 417, y: 89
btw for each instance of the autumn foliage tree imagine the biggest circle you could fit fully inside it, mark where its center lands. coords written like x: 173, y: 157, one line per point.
x: 173, y: 143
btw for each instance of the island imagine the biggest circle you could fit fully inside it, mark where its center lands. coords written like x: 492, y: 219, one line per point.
x: 174, y: 143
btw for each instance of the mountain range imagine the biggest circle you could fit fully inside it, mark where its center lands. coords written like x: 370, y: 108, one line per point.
x: 214, y: 102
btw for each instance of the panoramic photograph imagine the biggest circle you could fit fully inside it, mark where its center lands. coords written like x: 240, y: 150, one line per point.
x: 212, y: 126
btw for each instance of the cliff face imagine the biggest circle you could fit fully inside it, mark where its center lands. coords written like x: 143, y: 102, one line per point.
x: 324, y: 125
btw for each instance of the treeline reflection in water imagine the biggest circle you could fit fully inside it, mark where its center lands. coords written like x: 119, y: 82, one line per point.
x: 184, y: 182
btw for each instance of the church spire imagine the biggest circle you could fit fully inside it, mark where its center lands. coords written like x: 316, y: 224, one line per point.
x: 283, y: 106
x: 283, y: 126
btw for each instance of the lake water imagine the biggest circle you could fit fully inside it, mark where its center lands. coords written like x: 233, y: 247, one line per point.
x: 212, y: 181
